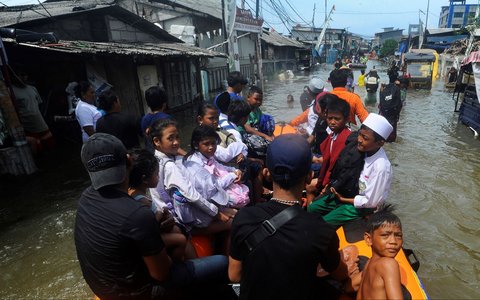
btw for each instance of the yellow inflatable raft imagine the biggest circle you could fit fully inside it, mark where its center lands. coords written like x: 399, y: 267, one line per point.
x: 352, y: 234
x: 283, y: 128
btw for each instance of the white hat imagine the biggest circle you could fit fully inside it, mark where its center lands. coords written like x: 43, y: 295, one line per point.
x: 378, y: 124
x: 316, y: 85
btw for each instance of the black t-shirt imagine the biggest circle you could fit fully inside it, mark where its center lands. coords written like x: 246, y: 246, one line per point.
x: 126, y: 128
x: 113, y: 233
x: 283, y: 266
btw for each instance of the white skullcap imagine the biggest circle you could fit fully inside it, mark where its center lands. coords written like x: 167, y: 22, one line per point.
x: 378, y: 124
x: 316, y: 85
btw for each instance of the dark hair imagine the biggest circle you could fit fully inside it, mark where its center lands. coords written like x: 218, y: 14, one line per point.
x: 289, y: 182
x: 200, y: 133
x: 383, y: 215
x: 254, y: 89
x: 235, y: 78
x: 223, y: 102
x: 81, y: 88
x: 376, y: 136
x: 238, y: 110
x: 203, y: 107
x: 338, y: 78
x: 336, y: 104
x: 156, y: 97
x: 323, y: 101
x: 144, y: 165
x: 106, y: 100
x: 362, y: 71
x: 157, y: 128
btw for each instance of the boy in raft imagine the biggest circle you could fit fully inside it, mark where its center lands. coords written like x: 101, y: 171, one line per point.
x: 373, y: 183
x: 381, y: 276
x: 258, y: 123
x: 338, y: 112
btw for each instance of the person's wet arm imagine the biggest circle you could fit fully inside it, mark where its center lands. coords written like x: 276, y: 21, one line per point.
x: 390, y: 273
x: 158, y: 265
x: 251, y: 130
x: 89, y: 130
x: 361, y: 111
x: 234, y: 270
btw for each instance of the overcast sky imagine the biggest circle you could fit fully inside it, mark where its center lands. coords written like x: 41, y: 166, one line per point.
x: 358, y: 16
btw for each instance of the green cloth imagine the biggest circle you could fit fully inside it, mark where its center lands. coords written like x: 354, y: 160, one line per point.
x: 254, y: 117
x: 335, y: 212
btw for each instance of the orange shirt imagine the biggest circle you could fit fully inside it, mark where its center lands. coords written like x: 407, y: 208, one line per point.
x: 301, y: 118
x: 356, y: 105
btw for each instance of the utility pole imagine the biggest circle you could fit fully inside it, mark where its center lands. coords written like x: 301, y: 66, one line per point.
x: 259, y: 49
x: 325, y: 11
x: 313, y: 33
x: 426, y: 21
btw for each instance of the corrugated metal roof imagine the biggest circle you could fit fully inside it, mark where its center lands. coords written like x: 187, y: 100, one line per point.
x: 24, y: 13
x: 276, y: 39
x: 146, y: 49
x: 209, y: 7
x: 441, y: 30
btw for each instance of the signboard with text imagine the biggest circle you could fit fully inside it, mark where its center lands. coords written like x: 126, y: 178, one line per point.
x: 244, y: 21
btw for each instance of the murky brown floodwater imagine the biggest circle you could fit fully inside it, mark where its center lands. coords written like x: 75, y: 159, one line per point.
x: 436, y: 188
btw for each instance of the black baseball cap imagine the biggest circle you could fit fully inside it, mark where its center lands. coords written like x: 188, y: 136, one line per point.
x: 104, y: 156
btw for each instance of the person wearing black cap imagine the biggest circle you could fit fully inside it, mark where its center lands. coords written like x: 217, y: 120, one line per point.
x: 117, y: 238
x: 284, y: 264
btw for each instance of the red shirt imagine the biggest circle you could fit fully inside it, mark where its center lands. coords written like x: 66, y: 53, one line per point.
x: 331, y: 148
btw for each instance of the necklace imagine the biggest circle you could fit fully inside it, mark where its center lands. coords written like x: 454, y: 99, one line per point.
x: 287, y: 202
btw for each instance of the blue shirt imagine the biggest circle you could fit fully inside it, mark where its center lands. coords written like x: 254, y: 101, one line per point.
x: 233, y: 97
x: 149, y: 119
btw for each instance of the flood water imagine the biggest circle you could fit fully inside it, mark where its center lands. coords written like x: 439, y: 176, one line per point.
x: 436, y: 187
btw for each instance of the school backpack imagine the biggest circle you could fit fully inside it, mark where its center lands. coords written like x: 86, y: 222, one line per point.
x: 257, y: 145
x: 390, y: 99
x: 267, y: 124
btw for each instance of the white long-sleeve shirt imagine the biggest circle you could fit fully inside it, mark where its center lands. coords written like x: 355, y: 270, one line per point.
x: 374, y: 181
x: 232, y: 150
x: 223, y: 181
x: 172, y: 174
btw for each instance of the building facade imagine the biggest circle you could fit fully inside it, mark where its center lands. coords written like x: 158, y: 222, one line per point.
x: 457, y: 14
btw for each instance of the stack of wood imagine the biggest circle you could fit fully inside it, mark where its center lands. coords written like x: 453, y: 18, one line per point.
x: 460, y: 47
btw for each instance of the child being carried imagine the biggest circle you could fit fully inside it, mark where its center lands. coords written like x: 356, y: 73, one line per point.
x: 203, y: 146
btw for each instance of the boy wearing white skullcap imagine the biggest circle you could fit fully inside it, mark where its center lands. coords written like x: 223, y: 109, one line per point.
x: 374, y: 181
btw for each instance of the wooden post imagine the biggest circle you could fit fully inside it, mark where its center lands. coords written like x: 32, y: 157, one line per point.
x: 259, y: 60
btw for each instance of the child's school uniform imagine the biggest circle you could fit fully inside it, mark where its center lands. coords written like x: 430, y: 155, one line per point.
x: 231, y: 128
x: 374, y: 186
x: 175, y: 191
x: 330, y: 149
x: 226, y: 154
x: 225, y: 176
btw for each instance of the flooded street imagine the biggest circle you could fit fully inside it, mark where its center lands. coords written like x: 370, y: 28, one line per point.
x: 436, y: 187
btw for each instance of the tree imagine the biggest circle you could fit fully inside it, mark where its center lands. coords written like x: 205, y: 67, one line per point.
x: 388, y: 48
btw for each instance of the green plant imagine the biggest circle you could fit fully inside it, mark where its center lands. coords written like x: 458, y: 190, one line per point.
x: 388, y: 48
